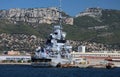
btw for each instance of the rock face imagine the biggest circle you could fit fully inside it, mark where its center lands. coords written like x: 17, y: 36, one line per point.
x: 92, y: 12
x: 34, y: 15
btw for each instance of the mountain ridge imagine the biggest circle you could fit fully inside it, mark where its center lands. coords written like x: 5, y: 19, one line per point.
x: 34, y: 15
x: 101, y: 28
x: 105, y: 26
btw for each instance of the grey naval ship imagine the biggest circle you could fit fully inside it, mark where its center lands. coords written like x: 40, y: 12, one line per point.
x: 56, y: 50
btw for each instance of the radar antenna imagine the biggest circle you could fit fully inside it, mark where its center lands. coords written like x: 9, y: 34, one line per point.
x: 60, y: 14
x: 60, y: 19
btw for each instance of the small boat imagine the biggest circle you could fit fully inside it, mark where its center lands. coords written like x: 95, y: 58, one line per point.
x: 113, y: 59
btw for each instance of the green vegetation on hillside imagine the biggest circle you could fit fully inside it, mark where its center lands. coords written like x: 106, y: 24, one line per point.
x: 85, y: 28
x: 19, y: 28
x: 108, y: 35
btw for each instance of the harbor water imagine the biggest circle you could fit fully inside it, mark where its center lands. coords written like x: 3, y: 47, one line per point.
x: 29, y: 71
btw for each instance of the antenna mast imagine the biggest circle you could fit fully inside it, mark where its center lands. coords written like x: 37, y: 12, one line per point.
x: 60, y: 14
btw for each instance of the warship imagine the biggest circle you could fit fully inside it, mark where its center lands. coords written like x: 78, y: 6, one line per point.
x: 57, y: 49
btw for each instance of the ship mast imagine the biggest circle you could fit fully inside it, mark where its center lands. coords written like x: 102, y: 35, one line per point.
x: 60, y: 14
x: 60, y: 18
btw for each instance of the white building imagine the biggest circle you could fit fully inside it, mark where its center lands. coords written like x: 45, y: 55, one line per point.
x: 15, y: 58
x: 81, y: 49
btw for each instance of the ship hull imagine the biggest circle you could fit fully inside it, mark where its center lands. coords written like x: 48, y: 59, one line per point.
x: 48, y: 62
x: 41, y: 62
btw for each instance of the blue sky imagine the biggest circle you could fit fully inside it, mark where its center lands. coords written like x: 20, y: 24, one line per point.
x: 71, y: 7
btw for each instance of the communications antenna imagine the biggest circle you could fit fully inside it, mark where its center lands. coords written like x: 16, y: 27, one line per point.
x: 60, y: 14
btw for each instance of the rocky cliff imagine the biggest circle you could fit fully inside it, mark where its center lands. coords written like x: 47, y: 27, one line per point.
x: 92, y: 12
x: 94, y: 25
x: 34, y: 15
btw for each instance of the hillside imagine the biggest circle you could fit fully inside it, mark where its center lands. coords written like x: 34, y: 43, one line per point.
x: 34, y: 15
x: 102, y: 27
x: 24, y: 28
x: 99, y: 29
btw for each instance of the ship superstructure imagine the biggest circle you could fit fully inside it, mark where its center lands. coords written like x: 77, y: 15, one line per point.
x: 56, y: 50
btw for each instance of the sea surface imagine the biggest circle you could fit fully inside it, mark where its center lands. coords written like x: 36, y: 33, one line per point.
x: 29, y: 71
